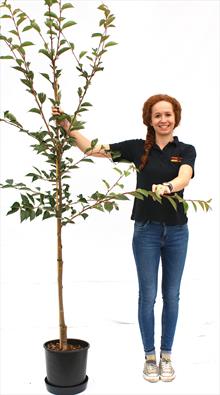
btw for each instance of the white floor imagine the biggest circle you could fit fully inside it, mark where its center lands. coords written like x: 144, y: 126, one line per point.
x: 104, y: 313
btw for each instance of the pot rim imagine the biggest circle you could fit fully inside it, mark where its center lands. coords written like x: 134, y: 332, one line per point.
x: 84, y: 346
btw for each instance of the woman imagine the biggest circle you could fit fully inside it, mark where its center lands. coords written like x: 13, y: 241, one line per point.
x: 166, y: 166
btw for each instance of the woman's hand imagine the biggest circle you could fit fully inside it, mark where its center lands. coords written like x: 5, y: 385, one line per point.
x: 65, y: 123
x: 160, y: 189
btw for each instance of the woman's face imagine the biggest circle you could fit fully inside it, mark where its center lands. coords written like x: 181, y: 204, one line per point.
x: 163, y: 118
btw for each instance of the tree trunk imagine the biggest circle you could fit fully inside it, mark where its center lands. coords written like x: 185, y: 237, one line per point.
x: 63, y: 328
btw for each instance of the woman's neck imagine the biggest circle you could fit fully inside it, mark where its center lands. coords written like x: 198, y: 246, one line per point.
x: 162, y: 141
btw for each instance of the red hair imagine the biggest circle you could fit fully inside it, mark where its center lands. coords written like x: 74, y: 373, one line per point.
x: 147, y: 113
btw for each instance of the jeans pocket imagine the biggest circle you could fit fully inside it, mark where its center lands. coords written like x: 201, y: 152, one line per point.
x: 141, y: 224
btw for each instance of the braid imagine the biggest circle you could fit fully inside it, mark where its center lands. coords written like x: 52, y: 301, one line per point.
x: 148, y: 144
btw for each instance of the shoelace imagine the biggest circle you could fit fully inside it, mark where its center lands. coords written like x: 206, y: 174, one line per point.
x: 152, y: 367
x: 166, y: 365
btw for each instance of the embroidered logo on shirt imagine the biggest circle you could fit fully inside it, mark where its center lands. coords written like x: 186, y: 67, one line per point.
x: 176, y: 159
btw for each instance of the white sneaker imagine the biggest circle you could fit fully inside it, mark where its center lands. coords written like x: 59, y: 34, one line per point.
x: 151, y: 371
x: 167, y: 373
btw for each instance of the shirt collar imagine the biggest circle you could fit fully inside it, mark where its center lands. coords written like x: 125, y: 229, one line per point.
x: 174, y: 142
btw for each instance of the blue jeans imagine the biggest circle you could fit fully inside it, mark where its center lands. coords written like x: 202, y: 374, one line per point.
x: 152, y: 241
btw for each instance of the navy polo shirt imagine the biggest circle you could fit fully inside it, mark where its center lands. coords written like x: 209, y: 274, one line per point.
x: 163, y: 165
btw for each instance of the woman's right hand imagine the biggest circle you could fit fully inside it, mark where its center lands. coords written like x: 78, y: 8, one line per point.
x: 65, y: 123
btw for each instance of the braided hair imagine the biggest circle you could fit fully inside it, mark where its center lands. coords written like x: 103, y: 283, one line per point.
x: 147, y: 113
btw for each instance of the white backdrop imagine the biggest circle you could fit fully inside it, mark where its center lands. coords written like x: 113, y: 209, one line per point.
x: 164, y: 47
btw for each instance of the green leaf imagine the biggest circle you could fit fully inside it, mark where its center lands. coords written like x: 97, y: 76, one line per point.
x: 39, y: 212
x: 46, y: 215
x: 34, y: 176
x: 50, y: 2
x: 27, y: 43
x: 67, y: 5
x: 108, y: 206
x: 45, y: 76
x: 84, y: 215
x: 46, y: 53
x: 26, y: 82
x: 14, y: 32
x: 19, y: 69
x: 9, y: 181
x: 79, y: 92
x: 201, y: 204
x: 14, y: 208
x: 6, y: 57
x: 22, y: 19
x: 99, y: 207
x: 25, y: 200
x: 68, y: 24
x: 27, y: 28
x: 24, y: 214
x: 102, y: 7
x: 63, y: 50
x: 118, y: 170
x: 77, y: 125
x: 110, y: 44
x: 5, y: 16
x: 35, y: 26
x: 137, y: 195
x: 35, y: 110
x: 172, y: 201
x: 104, y: 38
x: 72, y: 45
x: 96, y: 34
x: 207, y: 207
x: 86, y: 104
x: 194, y: 205
x: 42, y: 97
x: 155, y: 197
x: 82, y: 109
x: 51, y: 14
x: 83, y: 53
x: 119, y: 196
x: 87, y: 160
x: 94, y: 143
x: 143, y: 192
x: 16, y: 11
x: 185, y: 206
x: 11, y: 117
x: 32, y: 215
x: 106, y: 184
x: 102, y: 21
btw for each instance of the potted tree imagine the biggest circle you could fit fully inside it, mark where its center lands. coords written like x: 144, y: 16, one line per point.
x: 65, y: 358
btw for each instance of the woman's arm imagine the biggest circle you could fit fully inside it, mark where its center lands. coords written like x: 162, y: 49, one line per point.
x: 81, y: 141
x: 178, y: 183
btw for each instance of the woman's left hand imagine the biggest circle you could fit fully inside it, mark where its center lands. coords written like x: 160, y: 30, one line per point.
x: 160, y: 189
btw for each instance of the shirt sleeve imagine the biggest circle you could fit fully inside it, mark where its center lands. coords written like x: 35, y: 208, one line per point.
x: 189, y: 157
x: 124, y: 151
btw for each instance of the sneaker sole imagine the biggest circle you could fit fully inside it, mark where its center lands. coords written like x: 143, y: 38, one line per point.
x: 151, y: 379
x: 167, y: 379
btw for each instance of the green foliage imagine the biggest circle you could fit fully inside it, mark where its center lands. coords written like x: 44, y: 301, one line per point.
x: 51, y: 140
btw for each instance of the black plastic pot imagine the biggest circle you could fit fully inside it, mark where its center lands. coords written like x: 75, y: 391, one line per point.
x: 66, y: 370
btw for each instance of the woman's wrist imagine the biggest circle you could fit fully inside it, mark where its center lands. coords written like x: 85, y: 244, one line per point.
x: 169, y: 185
